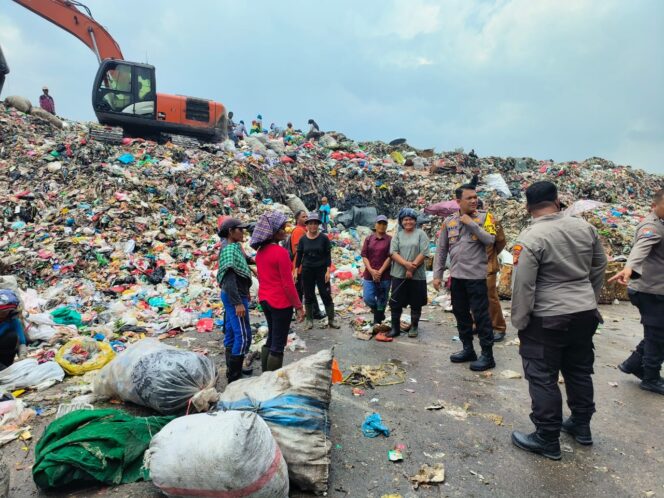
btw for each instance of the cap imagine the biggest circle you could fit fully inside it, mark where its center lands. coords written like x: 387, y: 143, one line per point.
x: 8, y: 300
x: 259, y: 117
x: 541, y: 192
x: 313, y: 216
x: 229, y: 225
x: 381, y: 217
x: 44, y: 87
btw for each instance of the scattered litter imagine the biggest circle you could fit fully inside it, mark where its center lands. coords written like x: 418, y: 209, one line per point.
x: 510, y: 374
x: 437, y: 405
x: 429, y: 475
x: 386, y: 374
x: 373, y: 426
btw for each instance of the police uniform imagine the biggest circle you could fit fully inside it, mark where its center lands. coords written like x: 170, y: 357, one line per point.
x: 466, y: 246
x: 646, y: 291
x: 559, y: 266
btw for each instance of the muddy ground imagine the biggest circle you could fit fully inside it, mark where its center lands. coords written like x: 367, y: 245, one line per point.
x: 470, y: 435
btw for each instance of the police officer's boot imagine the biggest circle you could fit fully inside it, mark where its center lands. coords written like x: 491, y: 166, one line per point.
x: 652, y: 381
x: 580, y: 430
x: 485, y: 361
x: 308, y: 318
x: 538, y: 443
x: 234, y: 368
x: 396, y: 324
x: 330, y: 317
x: 265, y: 352
x: 466, y: 354
x: 274, y: 362
x: 633, y: 365
x: 318, y: 314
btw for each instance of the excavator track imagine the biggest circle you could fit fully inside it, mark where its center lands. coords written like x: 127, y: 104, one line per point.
x: 106, y: 134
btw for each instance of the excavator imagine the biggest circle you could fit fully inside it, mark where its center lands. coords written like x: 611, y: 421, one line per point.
x: 124, y: 93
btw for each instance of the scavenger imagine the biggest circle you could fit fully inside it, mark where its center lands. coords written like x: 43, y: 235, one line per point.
x: 12, y: 335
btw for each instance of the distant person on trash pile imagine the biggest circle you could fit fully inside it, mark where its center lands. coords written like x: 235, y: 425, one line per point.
x: 493, y: 267
x: 465, y: 236
x: 276, y: 291
x: 294, y: 240
x: 46, y: 102
x: 290, y: 131
x: 276, y: 131
x: 408, y: 250
x: 314, y: 256
x: 376, y: 257
x: 234, y: 278
x: 230, y: 128
x: 12, y: 333
x: 240, y: 131
x: 259, y: 123
x: 558, y: 274
x: 644, y: 273
x: 314, y: 131
x: 324, y: 212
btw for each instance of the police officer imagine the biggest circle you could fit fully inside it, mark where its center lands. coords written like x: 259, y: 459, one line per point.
x: 559, y: 266
x: 465, y: 236
x: 645, y: 267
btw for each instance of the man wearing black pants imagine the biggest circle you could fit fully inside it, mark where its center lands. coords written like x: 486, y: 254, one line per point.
x: 558, y: 273
x: 645, y: 268
x: 465, y: 236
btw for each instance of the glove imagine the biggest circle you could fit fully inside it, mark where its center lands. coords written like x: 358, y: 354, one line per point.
x: 22, y: 351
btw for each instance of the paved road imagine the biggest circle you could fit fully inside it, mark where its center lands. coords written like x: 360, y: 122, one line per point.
x: 471, y: 435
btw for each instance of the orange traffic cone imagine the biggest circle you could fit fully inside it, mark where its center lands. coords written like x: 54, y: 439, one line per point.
x: 337, y: 377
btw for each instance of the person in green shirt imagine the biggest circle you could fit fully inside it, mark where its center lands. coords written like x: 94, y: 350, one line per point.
x: 408, y: 250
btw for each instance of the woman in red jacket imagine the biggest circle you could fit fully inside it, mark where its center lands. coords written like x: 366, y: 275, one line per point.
x: 276, y: 289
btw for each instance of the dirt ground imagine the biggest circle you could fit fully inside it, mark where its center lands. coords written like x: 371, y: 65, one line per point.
x: 470, y: 435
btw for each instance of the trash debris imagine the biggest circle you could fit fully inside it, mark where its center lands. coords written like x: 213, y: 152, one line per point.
x: 94, y: 446
x: 370, y: 376
x: 373, y: 426
x: 188, y: 439
x: 510, y: 374
x: 438, y: 405
x: 29, y: 373
x: 428, y: 475
x: 79, y: 356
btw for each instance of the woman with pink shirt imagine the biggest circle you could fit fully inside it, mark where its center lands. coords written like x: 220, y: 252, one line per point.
x: 276, y: 290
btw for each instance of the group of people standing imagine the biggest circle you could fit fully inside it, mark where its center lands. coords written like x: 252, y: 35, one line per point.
x: 238, y: 131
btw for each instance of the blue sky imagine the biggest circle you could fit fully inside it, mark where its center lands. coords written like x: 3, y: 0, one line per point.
x: 550, y: 79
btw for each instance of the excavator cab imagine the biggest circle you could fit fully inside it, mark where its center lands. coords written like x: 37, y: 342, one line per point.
x: 124, y: 92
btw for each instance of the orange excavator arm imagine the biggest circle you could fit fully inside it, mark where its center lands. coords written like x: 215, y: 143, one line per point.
x: 66, y: 15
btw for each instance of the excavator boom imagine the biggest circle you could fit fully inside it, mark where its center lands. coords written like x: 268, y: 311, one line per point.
x: 66, y: 15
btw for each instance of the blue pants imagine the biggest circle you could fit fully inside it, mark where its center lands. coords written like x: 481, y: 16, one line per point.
x: 237, y: 331
x: 375, y: 294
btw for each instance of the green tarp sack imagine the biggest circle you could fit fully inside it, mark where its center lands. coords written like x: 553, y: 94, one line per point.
x: 66, y: 316
x: 94, y: 446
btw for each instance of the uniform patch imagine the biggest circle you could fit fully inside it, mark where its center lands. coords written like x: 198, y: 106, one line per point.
x: 452, y: 224
x: 516, y: 250
x: 647, y: 233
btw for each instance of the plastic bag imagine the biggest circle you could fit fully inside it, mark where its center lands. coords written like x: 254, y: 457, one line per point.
x: 373, y: 426
x: 66, y: 316
x: 149, y: 373
x: 29, y: 373
x: 294, y: 401
x: 79, y: 356
x: 497, y: 182
x: 242, y: 459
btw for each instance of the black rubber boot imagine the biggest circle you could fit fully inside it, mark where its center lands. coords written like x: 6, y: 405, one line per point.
x: 234, y: 368
x: 308, y: 318
x: 633, y: 365
x: 227, y: 354
x: 466, y: 354
x: 652, y: 381
x: 265, y: 352
x: 330, y: 317
x: 375, y: 315
x: 580, y: 430
x: 414, y: 324
x: 318, y: 314
x: 396, y: 324
x: 274, y: 362
x: 380, y: 314
x: 535, y: 443
x: 484, y: 362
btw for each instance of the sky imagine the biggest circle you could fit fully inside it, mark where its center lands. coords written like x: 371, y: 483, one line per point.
x: 549, y: 79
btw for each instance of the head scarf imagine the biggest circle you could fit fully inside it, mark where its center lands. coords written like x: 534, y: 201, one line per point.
x: 268, y: 224
x: 233, y: 258
x: 8, y: 300
x: 407, y: 213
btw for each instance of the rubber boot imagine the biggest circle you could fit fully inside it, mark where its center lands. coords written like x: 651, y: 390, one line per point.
x: 318, y: 313
x: 632, y: 365
x: 415, y: 324
x: 536, y: 443
x: 396, y: 324
x: 234, y: 368
x: 265, y: 352
x: 380, y: 315
x: 580, y: 430
x: 652, y: 381
x: 227, y: 354
x: 375, y: 315
x: 330, y: 317
x: 466, y: 354
x: 484, y: 362
x: 308, y: 318
x: 274, y: 362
